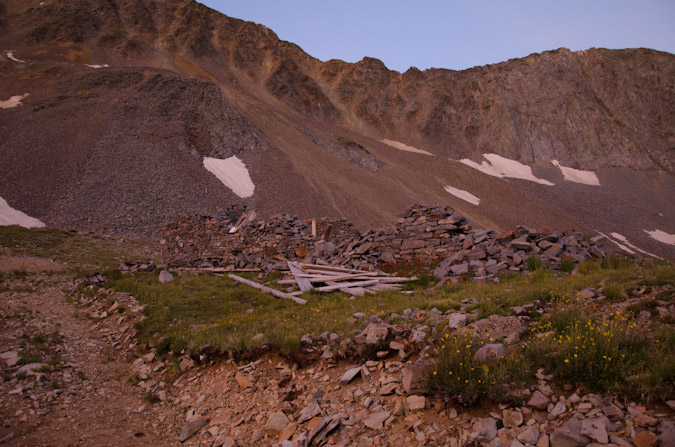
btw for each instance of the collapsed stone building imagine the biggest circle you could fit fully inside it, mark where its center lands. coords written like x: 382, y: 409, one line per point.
x: 426, y: 235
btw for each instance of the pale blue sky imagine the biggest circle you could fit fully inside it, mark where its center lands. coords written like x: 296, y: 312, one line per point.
x: 457, y: 34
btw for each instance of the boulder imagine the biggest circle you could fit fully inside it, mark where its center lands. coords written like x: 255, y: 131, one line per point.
x: 489, y: 352
x: 191, y: 428
x: 596, y: 429
x: 529, y: 435
x: 538, y: 401
x: 350, y: 375
x: 165, y: 277
x: 496, y: 327
x: 276, y: 423
x: 512, y: 418
x: 485, y: 427
x: 415, y: 378
x: 456, y: 320
x: 415, y: 403
x: 376, y: 333
x: 376, y: 420
x: 569, y: 434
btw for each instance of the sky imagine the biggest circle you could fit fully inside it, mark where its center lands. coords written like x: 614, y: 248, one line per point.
x: 457, y: 34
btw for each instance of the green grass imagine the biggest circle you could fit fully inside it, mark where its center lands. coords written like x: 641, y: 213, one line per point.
x: 198, y: 310
x: 592, y: 354
x: 194, y: 311
x: 567, y: 265
x: 613, y: 357
x: 614, y: 292
x: 71, y: 247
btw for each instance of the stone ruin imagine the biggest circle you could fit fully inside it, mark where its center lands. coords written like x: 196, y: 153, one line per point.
x: 428, y: 235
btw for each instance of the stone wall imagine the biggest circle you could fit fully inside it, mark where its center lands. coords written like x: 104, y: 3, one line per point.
x: 424, y: 234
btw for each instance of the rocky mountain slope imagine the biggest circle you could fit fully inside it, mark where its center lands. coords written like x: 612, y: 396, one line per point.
x: 127, y: 97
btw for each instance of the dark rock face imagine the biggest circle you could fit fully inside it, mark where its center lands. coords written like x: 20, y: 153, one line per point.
x: 135, y: 161
x: 556, y: 105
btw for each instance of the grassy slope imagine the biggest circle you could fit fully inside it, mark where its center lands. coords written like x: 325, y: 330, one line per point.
x: 206, y: 310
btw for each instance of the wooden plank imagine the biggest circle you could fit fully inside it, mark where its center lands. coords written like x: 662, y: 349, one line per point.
x: 322, y: 278
x: 304, y: 284
x: 214, y: 270
x: 327, y: 279
x: 274, y: 292
x: 347, y: 284
x: 393, y: 279
x: 332, y: 268
x: 358, y: 291
x: 243, y: 220
x: 380, y: 287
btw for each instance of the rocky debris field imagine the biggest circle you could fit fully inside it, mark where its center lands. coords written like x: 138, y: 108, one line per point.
x: 75, y: 373
x: 424, y: 234
x: 385, y: 401
x: 335, y: 397
x: 271, y: 403
x: 64, y: 373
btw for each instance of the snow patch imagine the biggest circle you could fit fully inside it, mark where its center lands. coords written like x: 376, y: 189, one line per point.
x: 577, y: 175
x: 624, y: 244
x: 10, y: 55
x: 662, y: 236
x: 10, y: 216
x: 404, y: 147
x: 97, y: 66
x: 618, y: 244
x: 498, y: 166
x: 233, y: 173
x: 464, y: 195
x: 485, y: 167
x: 12, y: 102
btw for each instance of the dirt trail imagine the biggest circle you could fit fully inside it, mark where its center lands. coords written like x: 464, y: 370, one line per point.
x: 85, y: 399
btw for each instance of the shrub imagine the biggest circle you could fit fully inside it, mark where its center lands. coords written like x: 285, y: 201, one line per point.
x: 561, y: 320
x: 534, y: 263
x: 586, y: 268
x: 598, y: 355
x: 649, y: 305
x: 615, y: 261
x: 567, y: 265
x: 613, y: 292
x: 461, y: 378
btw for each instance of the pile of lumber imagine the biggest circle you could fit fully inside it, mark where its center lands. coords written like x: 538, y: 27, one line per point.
x: 328, y: 278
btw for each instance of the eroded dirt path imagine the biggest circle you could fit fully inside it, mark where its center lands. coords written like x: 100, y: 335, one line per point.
x: 79, y: 395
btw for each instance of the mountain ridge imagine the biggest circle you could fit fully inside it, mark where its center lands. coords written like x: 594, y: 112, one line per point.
x: 194, y: 83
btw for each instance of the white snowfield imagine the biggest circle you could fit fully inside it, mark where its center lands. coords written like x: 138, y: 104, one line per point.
x: 404, y: 147
x: 464, y: 195
x: 662, y: 236
x: 10, y: 55
x: 577, y: 175
x: 233, y: 173
x: 12, y: 102
x: 97, y: 66
x: 10, y: 216
x: 623, y: 243
x: 500, y: 167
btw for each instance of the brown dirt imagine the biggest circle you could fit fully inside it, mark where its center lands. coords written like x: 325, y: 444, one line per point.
x: 96, y: 405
